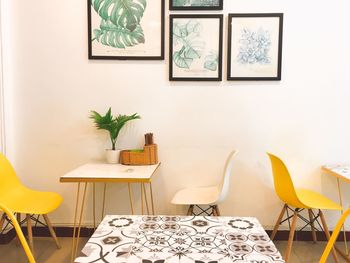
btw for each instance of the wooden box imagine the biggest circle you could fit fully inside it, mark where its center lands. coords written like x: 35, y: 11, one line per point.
x: 147, y: 156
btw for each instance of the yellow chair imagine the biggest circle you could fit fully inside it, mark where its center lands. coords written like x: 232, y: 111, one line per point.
x: 22, y: 200
x: 18, y: 231
x: 334, y: 236
x: 300, y: 199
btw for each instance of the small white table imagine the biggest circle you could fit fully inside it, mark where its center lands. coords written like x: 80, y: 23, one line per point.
x: 179, y: 239
x: 108, y: 173
x: 341, y: 172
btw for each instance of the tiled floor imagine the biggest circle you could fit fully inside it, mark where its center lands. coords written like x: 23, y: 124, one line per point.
x: 45, y: 251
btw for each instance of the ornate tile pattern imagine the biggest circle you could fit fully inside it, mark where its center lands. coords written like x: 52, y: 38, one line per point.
x: 180, y: 239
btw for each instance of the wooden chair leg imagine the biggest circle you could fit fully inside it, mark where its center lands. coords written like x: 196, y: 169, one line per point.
x: 2, y: 221
x: 213, y: 208
x: 326, y: 231
x: 190, y: 210
x: 291, y: 236
x: 52, y: 231
x: 217, y: 210
x: 278, y: 222
x: 18, y: 217
x: 30, y: 233
x: 313, y: 232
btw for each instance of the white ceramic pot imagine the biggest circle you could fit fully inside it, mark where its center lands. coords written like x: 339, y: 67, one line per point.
x: 112, y: 156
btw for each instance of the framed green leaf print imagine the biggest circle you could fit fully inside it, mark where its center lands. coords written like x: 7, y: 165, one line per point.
x: 196, y: 47
x: 126, y: 29
x: 196, y: 4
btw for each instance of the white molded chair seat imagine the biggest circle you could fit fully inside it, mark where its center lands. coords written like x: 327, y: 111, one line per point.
x: 197, y: 195
x: 209, y: 195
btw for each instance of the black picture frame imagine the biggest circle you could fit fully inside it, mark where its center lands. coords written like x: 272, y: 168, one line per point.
x: 278, y: 56
x: 220, y: 19
x: 193, y: 8
x: 92, y: 56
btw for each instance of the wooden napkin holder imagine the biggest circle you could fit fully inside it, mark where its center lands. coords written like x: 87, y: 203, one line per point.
x: 147, y: 156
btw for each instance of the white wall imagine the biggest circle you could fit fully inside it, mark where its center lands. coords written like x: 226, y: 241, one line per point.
x: 50, y: 87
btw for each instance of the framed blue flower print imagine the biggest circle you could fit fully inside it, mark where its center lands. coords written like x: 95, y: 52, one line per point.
x: 255, y: 46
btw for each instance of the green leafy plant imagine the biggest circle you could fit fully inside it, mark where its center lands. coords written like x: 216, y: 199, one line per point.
x: 120, y: 22
x: 112, y: 124
x: 187, y: 35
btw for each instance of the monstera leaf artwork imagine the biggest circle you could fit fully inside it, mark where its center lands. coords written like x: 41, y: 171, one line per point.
x: 195, y: 47
x: 188, y: 36
x: 120, y: 22
x: 118, y: 37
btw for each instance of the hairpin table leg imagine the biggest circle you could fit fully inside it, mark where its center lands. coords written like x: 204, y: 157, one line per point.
x: 130, y: 198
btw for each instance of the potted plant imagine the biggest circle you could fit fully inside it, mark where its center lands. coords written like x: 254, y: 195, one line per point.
x: 113, y: 125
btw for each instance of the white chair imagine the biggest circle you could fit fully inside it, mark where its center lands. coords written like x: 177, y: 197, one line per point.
x: 206, y: 196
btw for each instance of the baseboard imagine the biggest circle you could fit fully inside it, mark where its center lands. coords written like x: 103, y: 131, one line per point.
x: 44, y: 232
x: 283, y: 235
x: 87, y: 232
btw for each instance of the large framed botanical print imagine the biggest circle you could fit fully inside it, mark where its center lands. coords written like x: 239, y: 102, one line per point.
x: 196, y: 4
x: 255, y: 46
x: 195, y: 47
x: 126, y: 29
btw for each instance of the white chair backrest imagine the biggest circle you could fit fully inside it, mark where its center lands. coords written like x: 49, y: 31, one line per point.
x: 225, y: 183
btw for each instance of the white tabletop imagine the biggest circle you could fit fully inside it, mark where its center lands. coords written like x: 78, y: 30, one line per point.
x: 340, y: 171
x: 179, y: 239
x: 102, y: 172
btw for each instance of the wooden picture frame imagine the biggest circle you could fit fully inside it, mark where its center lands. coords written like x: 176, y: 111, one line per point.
x: 255, y: 47
x: 115, y: 34
x: 192, y: 5
x: 195, y: 48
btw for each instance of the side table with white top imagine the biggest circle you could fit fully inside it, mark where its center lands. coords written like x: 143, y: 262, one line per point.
x: 108, y: 173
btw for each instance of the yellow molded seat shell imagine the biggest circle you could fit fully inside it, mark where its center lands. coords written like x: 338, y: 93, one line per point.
x: 20, y: 199
x: 299, y: 198
x: 315, y: 200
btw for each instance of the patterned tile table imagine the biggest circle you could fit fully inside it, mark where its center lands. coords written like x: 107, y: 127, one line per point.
x: 180, y: 239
